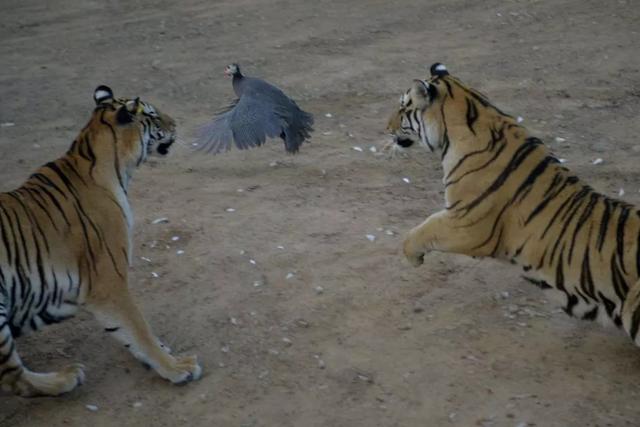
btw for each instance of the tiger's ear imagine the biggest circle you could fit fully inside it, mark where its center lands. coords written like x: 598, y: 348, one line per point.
x: 102, y: 94
x: 439, y: 70
x: 128, y: 111
x: 423, y: 93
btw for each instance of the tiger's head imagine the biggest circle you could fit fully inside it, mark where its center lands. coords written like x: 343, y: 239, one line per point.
x: 131, y: 129
x: 431, y: 110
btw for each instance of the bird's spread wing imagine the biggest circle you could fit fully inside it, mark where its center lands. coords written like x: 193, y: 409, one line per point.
x: 248, y: 122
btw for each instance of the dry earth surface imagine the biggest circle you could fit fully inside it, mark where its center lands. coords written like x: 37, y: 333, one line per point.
x: 457, y: 342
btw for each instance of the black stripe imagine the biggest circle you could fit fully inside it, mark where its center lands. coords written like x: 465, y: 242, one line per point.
x: 472, y: 115
x: 622, y: 220
x: 635, y: 323
x: 586, y: 278
x: 521, y: 154
x: 609, y: 305
x: 548, y: 198
x: 572, y: 301
x: 604, y: 223
x: 479, y: 168
x: 592, y: 314
x: 496, y: 136
x: 619, y: 283
x: 115, y: 151
x: 569, y: 216
x: 586, y: 213
x: 539, y: 283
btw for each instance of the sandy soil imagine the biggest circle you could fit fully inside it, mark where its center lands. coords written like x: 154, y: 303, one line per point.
x: 457, y: 342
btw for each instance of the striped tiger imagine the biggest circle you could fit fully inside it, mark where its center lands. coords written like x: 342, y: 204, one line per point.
x: 507, y: 197
x: 65, y: 242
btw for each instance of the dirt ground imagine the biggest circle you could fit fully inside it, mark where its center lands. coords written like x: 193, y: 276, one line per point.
x: 297, y: 318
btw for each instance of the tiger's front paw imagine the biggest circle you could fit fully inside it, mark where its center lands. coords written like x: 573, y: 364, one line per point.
x: 413, y: 252
x: 184, y: 369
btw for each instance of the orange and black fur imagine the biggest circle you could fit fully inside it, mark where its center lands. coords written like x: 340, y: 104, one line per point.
x: 508, y: 197
x: 65, y: 242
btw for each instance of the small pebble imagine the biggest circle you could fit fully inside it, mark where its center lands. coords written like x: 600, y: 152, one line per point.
x: 407, y: 180
x: 621, y: 192
x: 287, y: 341
x: 327, y: 133
x: 7, y: 124
x: 597, y: 161
x: 154, y: 274
x: 175, y: 238
x: 504, y: 295
x: 562, y: 160
x: 519, y: 119
x: 371, y: 237
x: 357, y: 148
x: 137, y: 404
x: 257, y: 284
x: 319, y: 290
x: 230, y: 210
x: 373, y: 149
x: 242, y: 252
x: 280, y: 247
x: 144, y: 258
x: 289, y: 276
x: 240, y: 190
x: 92, y: 408
x: 328, y: 115
x: 225, y: 349
x: 559, y: 139
x: 162, y: 220
x: 389, y: 232
x: 233, y: 321
x: 273, y: 164
x: 321, y: 364
x: 179, y: 252
x: 252, y: 261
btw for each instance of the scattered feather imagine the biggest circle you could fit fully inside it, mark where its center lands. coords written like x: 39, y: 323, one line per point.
x: 162, y: 220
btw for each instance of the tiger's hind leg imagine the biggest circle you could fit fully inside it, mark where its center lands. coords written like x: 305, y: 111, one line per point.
x: 631, y: 313
x: 440, y: 232
x: 16, y: 378
x: 121, y: 318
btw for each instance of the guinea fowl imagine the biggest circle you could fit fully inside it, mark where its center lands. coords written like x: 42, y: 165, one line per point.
x: 261, y: 111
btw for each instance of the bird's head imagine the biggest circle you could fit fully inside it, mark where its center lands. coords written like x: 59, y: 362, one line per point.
x: 232, y: 70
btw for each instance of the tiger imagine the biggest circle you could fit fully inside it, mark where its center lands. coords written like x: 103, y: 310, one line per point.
x: 66, y: 240
x: 508, y: 197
